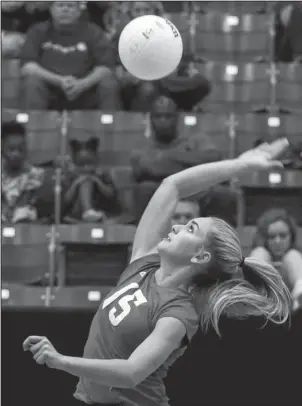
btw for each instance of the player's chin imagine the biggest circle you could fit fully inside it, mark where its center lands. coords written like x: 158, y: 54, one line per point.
x: 164, y: 245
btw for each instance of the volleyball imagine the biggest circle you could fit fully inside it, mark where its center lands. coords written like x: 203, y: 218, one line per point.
x: 150, y: 47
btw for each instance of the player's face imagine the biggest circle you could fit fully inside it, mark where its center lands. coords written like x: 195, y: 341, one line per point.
x: 185, y: 241
x: 279, y: 238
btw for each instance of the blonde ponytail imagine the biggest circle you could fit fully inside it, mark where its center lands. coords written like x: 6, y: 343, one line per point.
x: 254, y: 289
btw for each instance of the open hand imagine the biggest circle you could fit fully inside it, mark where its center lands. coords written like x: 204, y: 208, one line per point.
x: 43, y: 351
x: 265, y: 156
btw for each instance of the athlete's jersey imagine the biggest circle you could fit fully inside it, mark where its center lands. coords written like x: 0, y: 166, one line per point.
x: 125, y: 318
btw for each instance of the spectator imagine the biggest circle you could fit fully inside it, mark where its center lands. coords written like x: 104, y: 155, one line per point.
x: 90, y: 193
x: 167, y: 152
x: 16, y: 18
x: 66, y: 63
x: 187, y: 87
x: 276, y: 242
x: 220, y: 201
x: 289, y: 32
x: 185, y: 211
x: 23, y: 185
x: 97, y: 11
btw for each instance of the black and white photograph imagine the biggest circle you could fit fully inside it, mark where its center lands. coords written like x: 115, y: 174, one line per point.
x: 151, y: 203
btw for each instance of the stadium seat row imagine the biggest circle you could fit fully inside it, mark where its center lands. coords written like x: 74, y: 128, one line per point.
x: 120, y: 132
x: 233, y: 7
x: 26, y: 254
x: 244, y: 87
x: 226, y: 37
x: 238, y: 87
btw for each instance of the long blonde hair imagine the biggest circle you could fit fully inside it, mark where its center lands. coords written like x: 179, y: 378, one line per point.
x: 253, y: 289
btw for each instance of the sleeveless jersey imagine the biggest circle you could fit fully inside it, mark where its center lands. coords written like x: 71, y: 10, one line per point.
x: 125, y: 318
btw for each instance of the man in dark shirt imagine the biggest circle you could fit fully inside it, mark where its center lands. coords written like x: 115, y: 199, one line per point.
x: 67, y: 63
x: 167, y: 152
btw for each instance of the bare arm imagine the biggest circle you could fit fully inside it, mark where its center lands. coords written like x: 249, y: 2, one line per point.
x: 156, y: 220
x: 33, y: 68
x: 147, y: 358
x: 157, y: 216
x: 95, y: 76
x: 120, y: 373
x: 111, y: 372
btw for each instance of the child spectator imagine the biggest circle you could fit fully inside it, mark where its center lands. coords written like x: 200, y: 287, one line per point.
x: 90, y: 194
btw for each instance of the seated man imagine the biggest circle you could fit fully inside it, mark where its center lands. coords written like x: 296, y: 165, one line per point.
x: 90, y: 195
x: 67, y: 63
x: 22, y: 185
x: 167, y: 152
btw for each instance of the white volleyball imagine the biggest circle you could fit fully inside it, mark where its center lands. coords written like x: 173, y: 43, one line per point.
x: 150, y: 47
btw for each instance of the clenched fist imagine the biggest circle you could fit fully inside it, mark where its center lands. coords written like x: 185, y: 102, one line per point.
x: 43, y: 351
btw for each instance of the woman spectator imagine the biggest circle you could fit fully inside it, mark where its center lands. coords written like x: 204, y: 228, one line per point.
x: 276, y: 242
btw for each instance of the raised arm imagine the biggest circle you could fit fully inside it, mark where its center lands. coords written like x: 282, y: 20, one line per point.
x: 156, y: 220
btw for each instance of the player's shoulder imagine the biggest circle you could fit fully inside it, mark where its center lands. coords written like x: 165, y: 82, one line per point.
x: 177, y: 301
x: 140, y: 266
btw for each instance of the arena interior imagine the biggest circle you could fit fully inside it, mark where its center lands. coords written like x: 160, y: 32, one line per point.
x: 66, y: 239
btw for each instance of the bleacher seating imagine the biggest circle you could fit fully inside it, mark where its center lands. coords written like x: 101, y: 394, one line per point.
x: 181, y: 21
x: 29, y: 270
x: 44, y: 136
x: 266, y: 127
x: 16, y: 296
x: 289, y: 87
x: 120, y: 133
x: 214, y: 126
x: 263, y: 190
x: 232, y: 7
x: 28, y: 252
x: 231, y: 44
x: 25, y: 254
x: 221, y: 37
x: 237, y: 87
x: 123, y: 179
x: 10, y: 83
